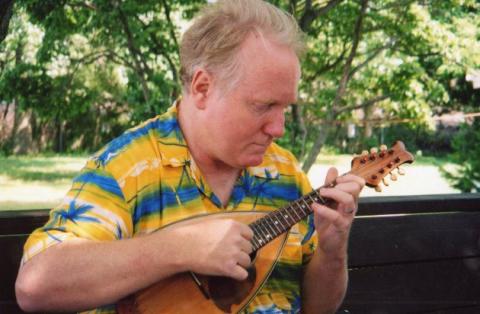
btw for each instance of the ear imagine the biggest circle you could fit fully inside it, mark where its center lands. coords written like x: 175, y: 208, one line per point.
x: 200, y: 88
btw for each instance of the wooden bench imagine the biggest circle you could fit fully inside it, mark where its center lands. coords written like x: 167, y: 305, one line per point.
x: 416, y: 254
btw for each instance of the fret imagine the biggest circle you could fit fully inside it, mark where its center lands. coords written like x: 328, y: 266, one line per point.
x: 320, y: 198
x: 278, y: 222
x: 257, y: 237
x: 273, y: 224
x: 255, y: 245
x: 281, y: 215
x: 264, y: 231
x: 259, y: 233
x: 270, y: 234
x: 312, y: 198
x: 286, y: 215
x: 295, y: 212
x: 266, y: 225
x: 298, y: 210
x: 305, y: 206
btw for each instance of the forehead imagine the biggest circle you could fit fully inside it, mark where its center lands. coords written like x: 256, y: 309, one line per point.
x: 270, y: 70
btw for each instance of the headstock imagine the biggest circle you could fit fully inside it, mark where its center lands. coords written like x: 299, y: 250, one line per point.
x: 373, y: 167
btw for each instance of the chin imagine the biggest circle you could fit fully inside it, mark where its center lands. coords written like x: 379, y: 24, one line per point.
x: 253, y: 161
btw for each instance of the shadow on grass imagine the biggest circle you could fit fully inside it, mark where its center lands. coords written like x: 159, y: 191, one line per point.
x: 34, y: 169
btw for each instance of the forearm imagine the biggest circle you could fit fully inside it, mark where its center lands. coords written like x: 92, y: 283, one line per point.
x: 82, y: 274
x: 324, y: 283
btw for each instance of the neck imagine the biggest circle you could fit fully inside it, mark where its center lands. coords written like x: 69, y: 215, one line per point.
x: 219, y: 175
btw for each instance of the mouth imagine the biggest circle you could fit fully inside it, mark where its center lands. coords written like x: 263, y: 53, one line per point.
x: 264, y: 145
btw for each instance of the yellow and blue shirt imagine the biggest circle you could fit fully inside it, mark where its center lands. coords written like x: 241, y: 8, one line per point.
x: 146, y: 179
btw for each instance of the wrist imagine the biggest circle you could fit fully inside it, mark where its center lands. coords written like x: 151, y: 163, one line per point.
x: 168, y: 252
x: 336, y: 259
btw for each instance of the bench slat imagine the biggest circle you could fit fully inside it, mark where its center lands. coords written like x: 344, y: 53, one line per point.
x: 408, y: 238
x: 414, y: 288
x: 12, y: 249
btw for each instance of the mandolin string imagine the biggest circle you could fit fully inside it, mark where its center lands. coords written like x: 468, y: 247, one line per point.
x: 271, y: 226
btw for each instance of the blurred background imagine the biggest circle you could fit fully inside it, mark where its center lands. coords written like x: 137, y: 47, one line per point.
x: 76, y: 74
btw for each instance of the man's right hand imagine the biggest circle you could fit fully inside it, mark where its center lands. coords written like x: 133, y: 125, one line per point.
x: 215, y: 247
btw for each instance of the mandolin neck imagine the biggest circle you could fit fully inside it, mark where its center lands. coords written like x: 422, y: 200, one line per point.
x: 281, y: 220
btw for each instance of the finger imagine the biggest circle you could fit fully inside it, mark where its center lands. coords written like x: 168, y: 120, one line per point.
x: 246, y: 232
x: 351, y: 178
x: 332, y: 174
x: 349, y: 187
x: 246, y: 246
x: 329, y: 216
x: 244, y: 260
x: 342, y: 198
x: 239, y: 273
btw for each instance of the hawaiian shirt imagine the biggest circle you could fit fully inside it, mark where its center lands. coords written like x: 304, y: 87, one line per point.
x: 146, y: 179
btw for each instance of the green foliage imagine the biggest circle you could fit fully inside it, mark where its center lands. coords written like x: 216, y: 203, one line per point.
x: 86, y: 71
x: 110, y: 64
x: 467, y: 177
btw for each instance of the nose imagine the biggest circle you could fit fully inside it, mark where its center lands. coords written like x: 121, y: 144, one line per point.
x: 275, y: 126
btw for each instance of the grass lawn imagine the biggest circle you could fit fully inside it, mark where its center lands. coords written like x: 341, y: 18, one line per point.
x: 36, y: 182
x: 40, y: 182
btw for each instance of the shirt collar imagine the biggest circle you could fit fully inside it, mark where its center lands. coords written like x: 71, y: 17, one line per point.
x: 173, y: 147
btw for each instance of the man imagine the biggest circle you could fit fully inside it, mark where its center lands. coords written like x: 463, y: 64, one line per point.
x: 213, y: 151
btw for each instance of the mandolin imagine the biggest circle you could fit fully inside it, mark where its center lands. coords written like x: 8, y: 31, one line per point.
x: 195, y: 293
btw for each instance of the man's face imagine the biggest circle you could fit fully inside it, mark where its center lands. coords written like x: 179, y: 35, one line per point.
x: 243, y: 121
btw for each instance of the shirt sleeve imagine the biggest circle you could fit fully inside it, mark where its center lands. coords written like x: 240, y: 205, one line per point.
x: 307, y: 226
x: 94, y: 208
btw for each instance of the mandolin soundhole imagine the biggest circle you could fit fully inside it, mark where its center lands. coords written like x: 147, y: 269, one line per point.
x: 226, y: 291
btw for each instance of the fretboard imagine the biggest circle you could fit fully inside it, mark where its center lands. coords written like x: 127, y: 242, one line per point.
x: 281, y: 220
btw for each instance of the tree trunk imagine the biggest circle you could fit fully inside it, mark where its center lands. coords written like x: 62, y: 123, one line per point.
x: 60, y: 141
x: 299, y: 129
x: 330, y: 119
x: 36, y: 133
x: 317, y: 146
x: 6, y: 10
x: 135, y: 52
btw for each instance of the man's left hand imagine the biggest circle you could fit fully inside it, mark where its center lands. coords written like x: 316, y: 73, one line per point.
x: 333, y: 224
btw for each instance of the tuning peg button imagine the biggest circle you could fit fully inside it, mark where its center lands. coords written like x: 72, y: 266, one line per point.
x: 383, y: 147
x: 373, y: 150
x: 378, y: 188
x: 400, y: 171
x: 393, y: 177
x: 385, y: 182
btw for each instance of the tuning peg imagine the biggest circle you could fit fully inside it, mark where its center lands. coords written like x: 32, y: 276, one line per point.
x: 400, y: 171
x: 365, y: 152
x: 378, y: 188
x: 393, y: 176
x: 373, y: 150
x: 383, y: 147
x: 385, y: 182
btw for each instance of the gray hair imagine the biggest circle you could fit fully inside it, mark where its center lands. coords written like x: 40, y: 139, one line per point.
x: 213, y: 40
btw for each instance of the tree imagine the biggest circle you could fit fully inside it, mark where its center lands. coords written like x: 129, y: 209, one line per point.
x: 114, y: 63
x: 5, y: 15
x: 467, y: 176
x: 127, y: 48
x: 386, y: 56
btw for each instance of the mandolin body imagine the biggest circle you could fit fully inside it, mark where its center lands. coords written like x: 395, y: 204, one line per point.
x: 194, y: 293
